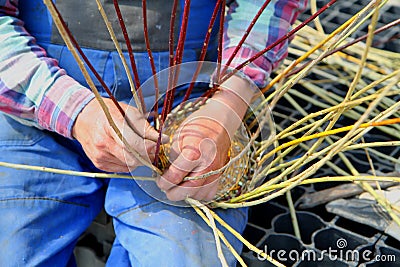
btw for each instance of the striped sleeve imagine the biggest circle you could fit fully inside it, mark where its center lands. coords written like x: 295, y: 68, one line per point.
x: 275, y: 21
x: 33, y: 88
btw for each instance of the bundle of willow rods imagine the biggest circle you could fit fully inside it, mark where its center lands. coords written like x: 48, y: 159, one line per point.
x: 369, y: 82
x: 367, y: 99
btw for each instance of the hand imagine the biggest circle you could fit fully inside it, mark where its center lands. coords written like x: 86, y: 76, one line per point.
x: 102, y: 145
x: 202, y: 142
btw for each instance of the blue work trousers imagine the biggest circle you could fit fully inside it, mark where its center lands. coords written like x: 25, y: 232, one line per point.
x: 43, y: 214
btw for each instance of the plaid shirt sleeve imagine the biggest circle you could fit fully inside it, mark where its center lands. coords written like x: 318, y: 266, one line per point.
x: 275, y: 21
x: 33, y: 88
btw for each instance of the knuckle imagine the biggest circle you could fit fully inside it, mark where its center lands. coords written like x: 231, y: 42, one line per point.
x: 191, y: 153
x: 195, y: 183
x: 172, y: 197
x: 133, y: 164
x: 100, y: 143
x: 175, y: 180
x: 159, y: 183
x: 98, y: 155
x: 99, y: 164
x: 172, y: 179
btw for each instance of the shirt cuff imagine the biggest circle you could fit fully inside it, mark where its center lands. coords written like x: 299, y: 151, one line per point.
x: 258, y: 71
x: 61, y: 105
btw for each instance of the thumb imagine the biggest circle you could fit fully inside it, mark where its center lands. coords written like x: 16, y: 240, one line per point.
x: 139, y: 124
x: 152, y: 134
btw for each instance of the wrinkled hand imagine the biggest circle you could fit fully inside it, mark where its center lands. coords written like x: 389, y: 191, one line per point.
x: 102, y: 145
x: 200, y: 145
x: 202, y: 142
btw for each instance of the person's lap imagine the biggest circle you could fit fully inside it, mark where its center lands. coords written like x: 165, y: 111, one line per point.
x: 162, y: 234
x: 43, y: 214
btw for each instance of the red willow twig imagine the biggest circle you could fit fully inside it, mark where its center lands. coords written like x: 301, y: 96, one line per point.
x: 245, y: 35
x: 203, y: 50
x: 174, y: 74
x: 182, y: 33
x: 170, y: 76
x: 153, y: 67
x: 280, y: 40
x: 394, y: 37
x: 178, y: 55
x: 217, y: 76
x: 86, y: 60
x: 220, y: 41
x: 172, y: 32
x: 174, y: 69
x: 130, y: 52
x: 359, y: 39
x: 167, y: 98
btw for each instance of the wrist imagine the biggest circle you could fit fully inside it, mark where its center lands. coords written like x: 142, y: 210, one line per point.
x: 237, y: 93
x: 81, y: 118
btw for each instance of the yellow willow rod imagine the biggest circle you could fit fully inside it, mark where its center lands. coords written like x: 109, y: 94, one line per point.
x: 358, y: 62
x: 297, y: 61
x: 327, y: 133
x: 328, y: 179
x: 307, y: 54
x: 368, y: 43
x: 121, y: 55
x: 195, y: 204
x: 244, y: 241
x: 384, y: 202
x: 299, y: 177
x: 345, y: 105
x: 72, y: 173
x: 289, y: 185
x: 317, y: 22
x: 375, y: 83
x: 348, y: 104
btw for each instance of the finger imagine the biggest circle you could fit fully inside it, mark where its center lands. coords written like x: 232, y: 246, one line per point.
x: 120, y: 155
x: 207, y: 192
x: 175, y: 173
x: 207, y: 189
x: 149, y: 155
x: 132, y: 139
x: 145, y: 147
x: 118, y: 160
x: 112, y: 166
x: 137, y: 123
x: 178, y: 193
x: 152, y: 134
x: 197, y: 189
